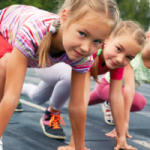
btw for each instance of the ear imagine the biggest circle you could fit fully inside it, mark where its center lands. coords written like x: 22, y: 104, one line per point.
x: 63, y: 16
x: 148, y: 36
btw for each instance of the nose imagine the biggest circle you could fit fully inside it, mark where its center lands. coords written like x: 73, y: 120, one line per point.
x: 85, y: 46
x: 120, y: 59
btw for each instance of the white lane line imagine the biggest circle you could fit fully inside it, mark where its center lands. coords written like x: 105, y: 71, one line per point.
x: 32, y: 105
x: 147, y: 114
x: 143, y: 143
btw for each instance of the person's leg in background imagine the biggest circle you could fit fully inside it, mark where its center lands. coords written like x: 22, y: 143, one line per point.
x: 55, y: 88
x: 100, y: 94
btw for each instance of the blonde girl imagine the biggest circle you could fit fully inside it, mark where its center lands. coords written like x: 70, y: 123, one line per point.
x: 40, y: 39
x: 136, y: 73
x: 117, y: 52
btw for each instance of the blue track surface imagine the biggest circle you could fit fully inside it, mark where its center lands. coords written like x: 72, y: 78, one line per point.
x: 24, y: 131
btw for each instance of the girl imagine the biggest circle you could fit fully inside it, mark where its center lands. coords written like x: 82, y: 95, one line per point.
x: 136, y: 73
x: 41, y: 39
x: 119, y: 49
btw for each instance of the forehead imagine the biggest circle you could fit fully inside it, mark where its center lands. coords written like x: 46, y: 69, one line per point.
x: 94, y: 26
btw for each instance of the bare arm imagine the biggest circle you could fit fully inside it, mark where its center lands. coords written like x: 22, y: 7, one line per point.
x: 129, y: 90
x: 77, y: 109
x: 15, y: 74
x: 118, y: 109
x: 86, y: 101
x: 117, y: 106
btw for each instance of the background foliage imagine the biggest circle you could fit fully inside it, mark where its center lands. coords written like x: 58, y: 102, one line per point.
x: 137, y: 10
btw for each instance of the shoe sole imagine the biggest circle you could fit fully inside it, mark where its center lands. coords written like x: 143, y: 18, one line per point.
x: 103, y: 109
x: 50, y: 135
x: 18, y: 110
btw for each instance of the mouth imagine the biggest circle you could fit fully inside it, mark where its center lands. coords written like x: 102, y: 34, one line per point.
x: 78, y: 54
x: 113, y: 64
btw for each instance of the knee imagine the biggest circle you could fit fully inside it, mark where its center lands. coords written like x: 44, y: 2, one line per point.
x: 140, y: 103
x: 35, y: 99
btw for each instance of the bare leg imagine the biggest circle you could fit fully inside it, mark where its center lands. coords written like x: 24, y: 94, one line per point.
x: 3, y: 64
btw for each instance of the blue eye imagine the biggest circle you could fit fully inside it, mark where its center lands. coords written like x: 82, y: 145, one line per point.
x: 82, y: 34
x: 98, y: 41
x: 119, y: 49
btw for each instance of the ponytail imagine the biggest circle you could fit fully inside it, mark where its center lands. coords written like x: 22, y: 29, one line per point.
x: 94, y: 71
x: 44, y: 50
x: 95, y: 66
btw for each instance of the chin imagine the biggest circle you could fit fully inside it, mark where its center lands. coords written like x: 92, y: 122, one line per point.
x: 110, y: 66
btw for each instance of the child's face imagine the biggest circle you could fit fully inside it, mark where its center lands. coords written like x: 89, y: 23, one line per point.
x: 119, y: 51
x: 81, y: 39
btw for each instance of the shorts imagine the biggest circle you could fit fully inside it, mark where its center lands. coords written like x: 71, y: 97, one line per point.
x: 5, y: 47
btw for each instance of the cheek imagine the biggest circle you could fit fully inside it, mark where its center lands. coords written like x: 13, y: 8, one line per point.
x: 125, y: 63
x: 92, y: 51
x: 109, y: 54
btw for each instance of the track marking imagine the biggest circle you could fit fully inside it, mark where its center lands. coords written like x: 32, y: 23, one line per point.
x: 147, y: 114
x: 143, y: 143
x: 33, y: 105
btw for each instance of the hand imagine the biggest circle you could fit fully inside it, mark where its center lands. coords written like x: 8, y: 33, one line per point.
x: 68, y: 147
x: 121, y: 144
x: 113, y: 133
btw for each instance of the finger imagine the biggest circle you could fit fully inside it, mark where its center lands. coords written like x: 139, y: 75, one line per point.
x: 65, y: 148
x: 117, y: 148
x: 113, y: 135
x: 126, y: 148
x: 128, y: 135
x: 130, y: 148
x: 110, y: 134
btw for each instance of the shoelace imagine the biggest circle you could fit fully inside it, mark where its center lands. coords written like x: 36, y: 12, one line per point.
x: 55, y: 121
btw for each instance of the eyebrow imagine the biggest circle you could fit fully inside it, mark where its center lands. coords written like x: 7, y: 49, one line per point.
x: 89, y: 33
x: 124, y: 50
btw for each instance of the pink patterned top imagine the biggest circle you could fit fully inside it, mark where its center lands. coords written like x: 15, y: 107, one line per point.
x: 24, y: 27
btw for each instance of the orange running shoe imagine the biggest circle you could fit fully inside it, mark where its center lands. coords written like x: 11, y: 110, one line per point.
x: 51, y: 125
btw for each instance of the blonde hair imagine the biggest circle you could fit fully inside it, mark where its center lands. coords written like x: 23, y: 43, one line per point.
x: 124, y: 27
x: 107, y: 7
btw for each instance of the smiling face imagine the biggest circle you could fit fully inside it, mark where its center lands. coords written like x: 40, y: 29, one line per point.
x: 120, y: 50
x: 82, y: 38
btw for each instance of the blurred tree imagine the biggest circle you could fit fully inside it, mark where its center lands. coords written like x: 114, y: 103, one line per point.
x: 50, y: 5
x: 137, y: 10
